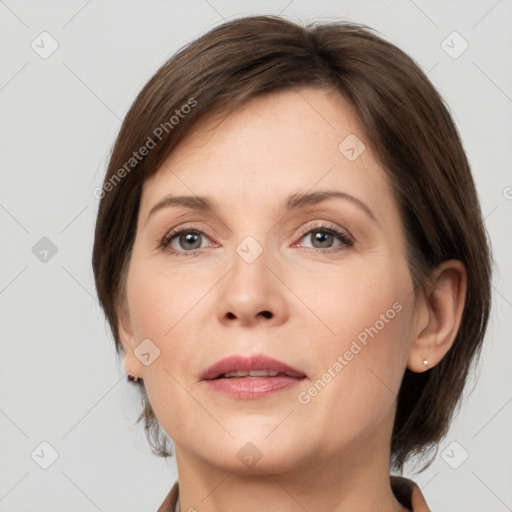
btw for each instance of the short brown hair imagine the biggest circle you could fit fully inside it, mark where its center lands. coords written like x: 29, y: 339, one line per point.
x: 409, y: 129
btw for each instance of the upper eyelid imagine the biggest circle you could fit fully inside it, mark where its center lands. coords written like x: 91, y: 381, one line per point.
x: 322, y: 224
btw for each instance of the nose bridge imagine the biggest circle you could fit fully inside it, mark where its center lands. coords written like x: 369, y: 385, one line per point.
x: 250, y: 259
x: 250, y: 249
x: 251, y: 291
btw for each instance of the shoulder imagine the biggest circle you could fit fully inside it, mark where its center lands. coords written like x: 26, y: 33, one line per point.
x: 169, y: 504
x: 408, y: 493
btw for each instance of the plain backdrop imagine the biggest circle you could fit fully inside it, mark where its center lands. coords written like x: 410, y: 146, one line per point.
x: 69, y: 72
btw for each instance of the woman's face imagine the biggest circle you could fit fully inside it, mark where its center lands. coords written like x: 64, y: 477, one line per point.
x: 255, y: 277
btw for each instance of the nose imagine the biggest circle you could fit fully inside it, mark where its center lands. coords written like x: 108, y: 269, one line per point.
x: 252, y: 293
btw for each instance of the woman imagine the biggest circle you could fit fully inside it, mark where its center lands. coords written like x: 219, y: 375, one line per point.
x: 320, y: 327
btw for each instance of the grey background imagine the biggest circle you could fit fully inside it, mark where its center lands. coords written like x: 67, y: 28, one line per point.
x: 59, y: 380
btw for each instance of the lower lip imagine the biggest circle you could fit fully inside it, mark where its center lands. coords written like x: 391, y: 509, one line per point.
x: 252, y: 387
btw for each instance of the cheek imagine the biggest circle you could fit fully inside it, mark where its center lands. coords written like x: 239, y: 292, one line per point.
x: 358, y: 372
x: 162, y: 309
x: 158, y: 300
x: 366, y: 314
x: 168, y: 309
x: 356, y: 300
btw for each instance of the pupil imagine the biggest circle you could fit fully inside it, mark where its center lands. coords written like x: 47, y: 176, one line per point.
x: 189, y: 238
x: 321, y: 236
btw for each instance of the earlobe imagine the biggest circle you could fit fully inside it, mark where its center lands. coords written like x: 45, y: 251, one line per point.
x: 438, y: 317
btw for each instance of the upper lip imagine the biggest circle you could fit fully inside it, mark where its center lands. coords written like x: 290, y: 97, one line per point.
x: 246, y: 363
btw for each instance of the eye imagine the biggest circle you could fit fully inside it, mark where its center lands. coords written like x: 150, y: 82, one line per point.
x: 322, y: 237
x: 187, y: 239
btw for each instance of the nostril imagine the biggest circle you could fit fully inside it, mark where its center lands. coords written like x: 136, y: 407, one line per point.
x: 266, y: 314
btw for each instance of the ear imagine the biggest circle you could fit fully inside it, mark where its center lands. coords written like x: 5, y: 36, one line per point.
x: 132, y: 365
x: 437, y: 318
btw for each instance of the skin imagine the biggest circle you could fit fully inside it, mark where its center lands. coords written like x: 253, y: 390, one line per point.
x: 331, y: 453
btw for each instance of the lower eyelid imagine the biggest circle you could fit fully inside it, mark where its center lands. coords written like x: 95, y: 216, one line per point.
x: 344, y: 238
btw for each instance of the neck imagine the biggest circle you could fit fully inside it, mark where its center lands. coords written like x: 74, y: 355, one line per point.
x: 355, y: 479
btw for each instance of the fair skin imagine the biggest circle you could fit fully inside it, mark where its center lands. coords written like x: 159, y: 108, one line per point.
x: 331, y: 453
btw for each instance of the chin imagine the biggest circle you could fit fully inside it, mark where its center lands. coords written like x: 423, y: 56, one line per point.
x: 257, y: 453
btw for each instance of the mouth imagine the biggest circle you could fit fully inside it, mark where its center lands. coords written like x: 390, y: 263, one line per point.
x: 252, y: 366
x: 248, y: 377
x: 251, y: 374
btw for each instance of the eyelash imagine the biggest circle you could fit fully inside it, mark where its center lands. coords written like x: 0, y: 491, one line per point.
x: 345, y: 238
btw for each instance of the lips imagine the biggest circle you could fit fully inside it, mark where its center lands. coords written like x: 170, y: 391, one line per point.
x: 255, y: 366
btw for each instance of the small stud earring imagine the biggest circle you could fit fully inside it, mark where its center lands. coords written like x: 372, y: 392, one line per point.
x: 133, y: 378
x: 425, y: 363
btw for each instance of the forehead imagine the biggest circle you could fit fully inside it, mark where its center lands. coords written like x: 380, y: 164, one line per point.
x: 270, y: 147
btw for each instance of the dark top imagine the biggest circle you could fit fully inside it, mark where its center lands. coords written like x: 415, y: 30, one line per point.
x: 406, y: 492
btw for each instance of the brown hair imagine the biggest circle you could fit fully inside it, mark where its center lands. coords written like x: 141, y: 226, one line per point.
x: 409, y: 129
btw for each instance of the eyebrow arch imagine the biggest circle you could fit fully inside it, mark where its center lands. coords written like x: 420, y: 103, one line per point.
x: 300, y: 200
x: 292, y: 203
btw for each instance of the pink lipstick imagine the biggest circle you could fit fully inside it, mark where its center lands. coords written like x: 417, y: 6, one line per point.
x: 254, y: 376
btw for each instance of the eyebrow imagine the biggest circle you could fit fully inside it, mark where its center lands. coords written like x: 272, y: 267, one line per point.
x: 292, y: 203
